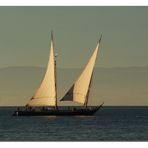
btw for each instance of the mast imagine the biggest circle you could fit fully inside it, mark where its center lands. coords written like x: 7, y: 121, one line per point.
x: 87, y: 96
x: 46, y: 94
x: 56, y: 105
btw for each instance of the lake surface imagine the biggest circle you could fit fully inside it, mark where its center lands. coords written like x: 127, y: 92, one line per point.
x: 108, y: 124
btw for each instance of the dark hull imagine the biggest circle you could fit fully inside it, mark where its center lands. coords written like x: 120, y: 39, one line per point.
x: 59, y: 112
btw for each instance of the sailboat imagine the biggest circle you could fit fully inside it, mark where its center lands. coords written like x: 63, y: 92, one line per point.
x: 44, y: 101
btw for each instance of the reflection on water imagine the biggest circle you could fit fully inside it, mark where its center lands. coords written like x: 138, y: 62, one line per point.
x: 51, y: 117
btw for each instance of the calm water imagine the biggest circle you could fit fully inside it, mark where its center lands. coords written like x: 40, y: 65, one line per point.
x: 109, y: 124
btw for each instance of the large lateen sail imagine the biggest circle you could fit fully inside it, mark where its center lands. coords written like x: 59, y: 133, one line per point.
x: 80, y: 89
x: 46, y: 93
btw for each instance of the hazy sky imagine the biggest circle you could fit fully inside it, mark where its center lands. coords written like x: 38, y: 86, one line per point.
x: 25, y: 39
x: 25, y: 35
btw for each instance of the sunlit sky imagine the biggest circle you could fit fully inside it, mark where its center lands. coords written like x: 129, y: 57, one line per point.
x: 25, y: 35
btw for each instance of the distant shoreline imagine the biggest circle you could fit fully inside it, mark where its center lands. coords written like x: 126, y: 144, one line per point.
x: 78, y: 68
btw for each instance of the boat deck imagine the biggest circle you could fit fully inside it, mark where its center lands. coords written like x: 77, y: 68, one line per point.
x: 60, y: 111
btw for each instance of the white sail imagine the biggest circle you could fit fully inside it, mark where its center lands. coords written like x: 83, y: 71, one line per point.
x: 46, y: 94
x: 79, y: 90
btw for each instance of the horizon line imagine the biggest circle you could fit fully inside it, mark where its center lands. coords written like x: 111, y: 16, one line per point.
x: 73, y: 67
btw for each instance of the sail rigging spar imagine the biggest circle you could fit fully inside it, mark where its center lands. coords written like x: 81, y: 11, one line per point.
x: 46, y: 95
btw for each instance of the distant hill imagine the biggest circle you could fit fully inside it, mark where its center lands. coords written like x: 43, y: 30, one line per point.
x: 114, y: 86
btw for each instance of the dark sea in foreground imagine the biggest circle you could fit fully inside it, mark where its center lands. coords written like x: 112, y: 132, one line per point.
x: 108, y: 124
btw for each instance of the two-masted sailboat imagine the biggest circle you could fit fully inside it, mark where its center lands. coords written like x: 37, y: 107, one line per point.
x: 44, y: 101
